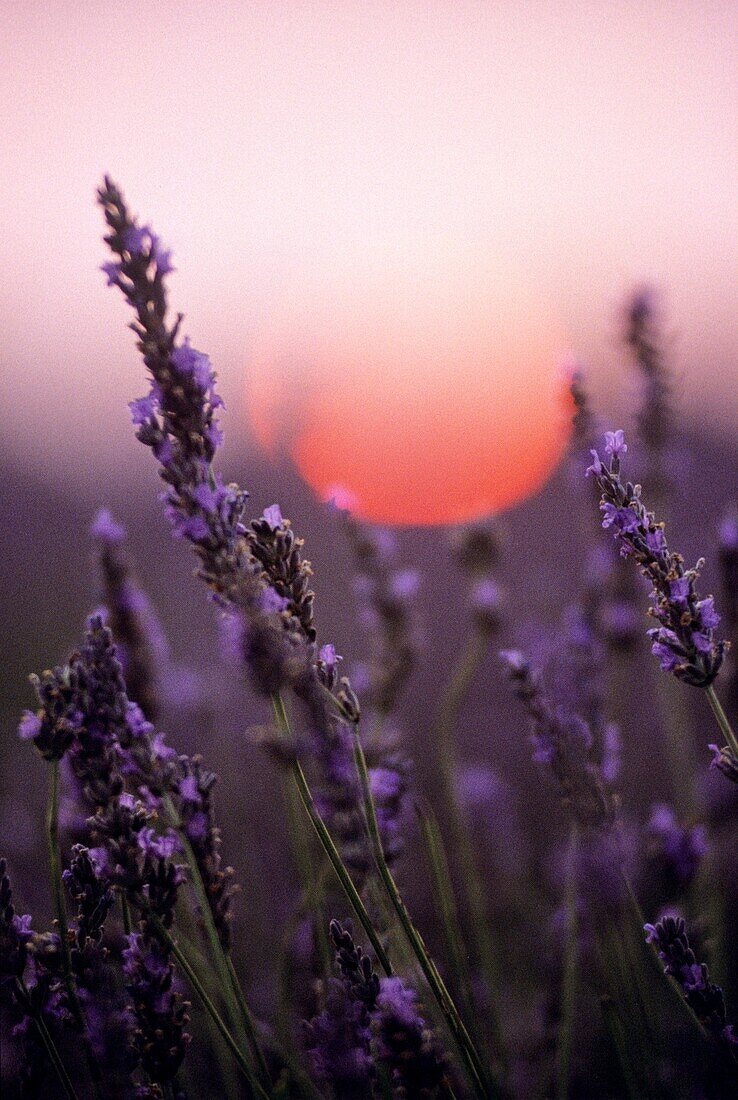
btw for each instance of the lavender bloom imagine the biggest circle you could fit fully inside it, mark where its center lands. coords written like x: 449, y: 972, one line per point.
x: 94, y: 899
x: 337, y: 1041
x: 386, y: 593
x: 354, y: 965
x: 278, y: 550
x: 684, y: 641
x: 39, y: 995
x: 135, y: 628
x: 725, y: 761
x: 15, y: 932
x: 728, y: 558
x: 563, y: 742
x: 674, y: 852
x: 177, y: 420
x: 669, y: 937
x: 161, y: 1014
x: 655, y: 415
x: 476, y: 549
x: 404, y: 1042
x: 196, y: 813
x: 340, y: 1036
x: 53, y: 726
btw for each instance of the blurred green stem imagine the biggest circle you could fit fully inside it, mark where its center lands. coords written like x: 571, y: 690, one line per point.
x: 443, y: 891
x: 451, y: 1015
x: 570, y: 974
x: 722, y: 720
x: 238, y: 1010
x: 207, y: 1003
x: 329, y: 847
x: 479, y: 928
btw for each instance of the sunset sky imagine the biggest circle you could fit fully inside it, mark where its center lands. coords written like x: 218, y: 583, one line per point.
x: 482, y: 180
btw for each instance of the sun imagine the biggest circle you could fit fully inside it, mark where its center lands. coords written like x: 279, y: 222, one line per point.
x: 415, y: 408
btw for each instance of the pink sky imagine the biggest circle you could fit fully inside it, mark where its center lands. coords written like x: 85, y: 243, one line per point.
x: 324, y: 152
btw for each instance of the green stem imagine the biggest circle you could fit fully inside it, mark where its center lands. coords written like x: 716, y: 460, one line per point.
x: 450, y: 1013
x: 309, y: 878
x: 238, y: 1011
x: 329, y: 847
x: 48, y: 1043
x: 207, y: 1003
x: 478, y: 925
x: 570, y: 975
x: 722, y: 720
x: 443, y: 890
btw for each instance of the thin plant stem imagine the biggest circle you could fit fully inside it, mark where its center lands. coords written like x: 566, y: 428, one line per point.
x: 60, y: 912
x: 443, y: 890
x: 207, y: 1003
x: 303, y: 857
x: 238, y: 1011
x: 48, y: 1042
x: 570, y: 975
x: 479, y: 927
x: 722, y: 720
x: 329, y: 847
x: 481, y: 1081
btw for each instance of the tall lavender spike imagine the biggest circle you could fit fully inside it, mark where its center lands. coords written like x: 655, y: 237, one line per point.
x: 340, y: 1036
x: 476, y: 549
x: 385, y: 593
x: 655, y: 415
x: 563, y: 742
x: 685, y: 640
x: 669, y: 937
x: 137, y: 632
x: 29, y: 989
x: 177, y: 420
x: 196, y: 813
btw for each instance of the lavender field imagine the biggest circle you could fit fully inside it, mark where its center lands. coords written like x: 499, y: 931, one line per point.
x: 452, y: 811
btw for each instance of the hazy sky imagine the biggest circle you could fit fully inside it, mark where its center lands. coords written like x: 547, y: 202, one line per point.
x: 305, y: 159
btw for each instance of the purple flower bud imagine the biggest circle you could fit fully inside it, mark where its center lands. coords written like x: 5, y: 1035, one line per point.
x: 615, y: 444
x: 273, y: 516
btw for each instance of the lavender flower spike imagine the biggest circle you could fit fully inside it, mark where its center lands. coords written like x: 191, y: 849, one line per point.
x: 684, y: 641
x: 669, y: 937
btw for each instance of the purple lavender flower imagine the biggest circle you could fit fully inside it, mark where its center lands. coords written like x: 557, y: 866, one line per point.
x: 684, y: 641
x: 386, y: 593
x: 337, y: 1041
x: 669, y: 937
x: 563, y: 742
x: 196, y: 813
x: 655, y: 414
x: 674, y: 851
x: 15, y: 932
x: 404, y: 1042
x: 138, y: 635
x: 161, y: 1014
x: 53, y: 727
x: 725, y: 761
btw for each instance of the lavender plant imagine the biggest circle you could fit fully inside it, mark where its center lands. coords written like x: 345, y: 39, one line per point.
x: 145, y: 942
x: 684, y: 641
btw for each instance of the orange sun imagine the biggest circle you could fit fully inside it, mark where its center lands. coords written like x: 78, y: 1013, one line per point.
x: 433, y: 408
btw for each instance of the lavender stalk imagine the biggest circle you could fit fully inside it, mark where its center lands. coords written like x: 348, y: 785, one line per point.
x: 684, y: 641
x: 480, y: 1080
